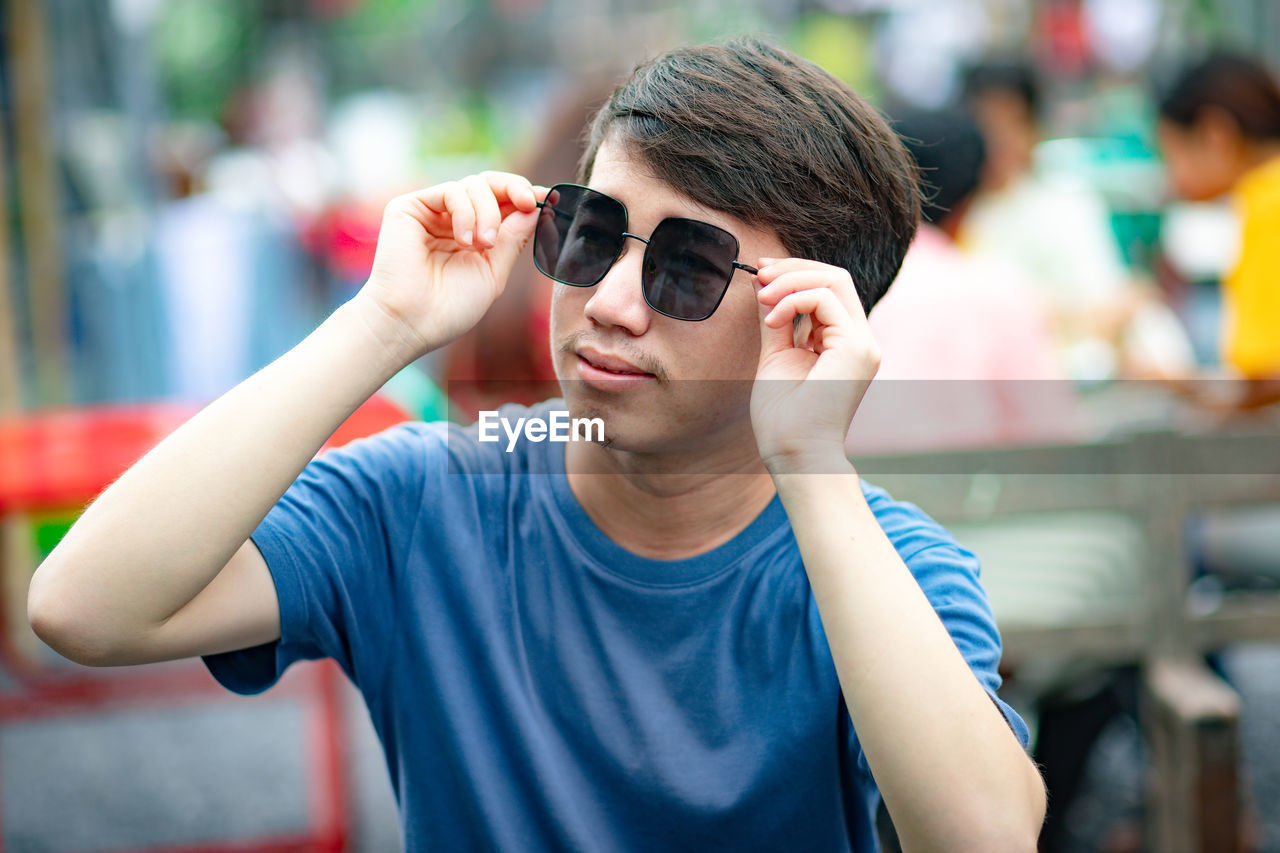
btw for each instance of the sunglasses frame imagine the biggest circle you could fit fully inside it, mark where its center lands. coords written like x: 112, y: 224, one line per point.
x: 735, y: 264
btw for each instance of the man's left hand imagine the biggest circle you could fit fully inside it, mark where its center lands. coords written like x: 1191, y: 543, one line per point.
x: 811, y: 378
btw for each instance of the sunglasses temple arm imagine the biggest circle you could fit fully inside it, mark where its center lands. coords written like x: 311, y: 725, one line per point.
x: 745, y: 267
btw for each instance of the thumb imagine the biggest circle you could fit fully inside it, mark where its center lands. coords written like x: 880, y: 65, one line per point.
x: 774, y: 340
x: 513, y: 236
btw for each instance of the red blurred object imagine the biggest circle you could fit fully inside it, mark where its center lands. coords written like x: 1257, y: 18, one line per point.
x: 60, y: 459
x: 345, y: 237
x: 377, y: 413
x: 63, y: 459
x: 1063, y: 37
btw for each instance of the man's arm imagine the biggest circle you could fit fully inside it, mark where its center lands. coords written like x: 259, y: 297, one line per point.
x: 160, y: 565
x: 952, y: 774
x: 951, y: 771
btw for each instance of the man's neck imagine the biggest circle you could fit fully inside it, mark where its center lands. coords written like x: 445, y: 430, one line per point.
x: 671, y: 506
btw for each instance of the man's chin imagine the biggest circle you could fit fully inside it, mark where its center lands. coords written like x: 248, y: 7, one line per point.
x: 627, y: 425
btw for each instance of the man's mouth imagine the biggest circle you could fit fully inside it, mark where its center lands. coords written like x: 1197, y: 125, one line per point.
x: 606, y: 372
x: 611, y: 364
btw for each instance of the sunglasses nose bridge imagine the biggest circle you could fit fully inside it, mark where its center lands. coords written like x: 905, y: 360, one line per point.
x: 618, y: 298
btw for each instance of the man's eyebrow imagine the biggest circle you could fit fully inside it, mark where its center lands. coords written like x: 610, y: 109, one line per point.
x: 594, y: 205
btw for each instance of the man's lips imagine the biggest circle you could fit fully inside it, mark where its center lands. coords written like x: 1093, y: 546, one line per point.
x: 610, y: 363
x: 610, y: 373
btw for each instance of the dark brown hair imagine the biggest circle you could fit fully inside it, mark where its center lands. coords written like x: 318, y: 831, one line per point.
x: 751, y: 130
x: 1238, y: 84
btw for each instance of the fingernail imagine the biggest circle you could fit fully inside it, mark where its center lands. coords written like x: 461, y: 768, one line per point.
x: 491, y: 236
x: 466, y: 238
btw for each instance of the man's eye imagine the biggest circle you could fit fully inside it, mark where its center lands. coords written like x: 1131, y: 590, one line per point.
x: 696, y: 264
x: 595, y: 236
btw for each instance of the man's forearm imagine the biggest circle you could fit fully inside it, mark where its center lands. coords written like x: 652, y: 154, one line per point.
x: 952, y: 774
x: 156, y: 537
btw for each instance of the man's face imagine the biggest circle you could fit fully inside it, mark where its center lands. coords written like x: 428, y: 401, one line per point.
x: 659, y: 384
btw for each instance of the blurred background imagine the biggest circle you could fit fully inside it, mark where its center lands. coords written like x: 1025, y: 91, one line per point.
x: 188, y: 187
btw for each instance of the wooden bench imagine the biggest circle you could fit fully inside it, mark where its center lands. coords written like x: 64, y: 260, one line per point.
x: 1085, y: 562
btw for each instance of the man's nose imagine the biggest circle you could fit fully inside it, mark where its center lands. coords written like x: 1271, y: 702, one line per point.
x: 617, y: 299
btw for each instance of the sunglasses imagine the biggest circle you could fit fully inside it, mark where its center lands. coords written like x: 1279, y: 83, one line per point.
x: 687, y: 264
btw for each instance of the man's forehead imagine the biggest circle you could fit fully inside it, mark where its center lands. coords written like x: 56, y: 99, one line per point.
x: 626, y: 176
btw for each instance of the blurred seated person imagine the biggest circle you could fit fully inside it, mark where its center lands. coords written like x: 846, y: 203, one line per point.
x: 1058, y: 233
x: 1219, y: 133
x: 967, y: 325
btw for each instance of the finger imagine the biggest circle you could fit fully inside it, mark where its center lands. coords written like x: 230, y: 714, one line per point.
x: 511, y: 189
x: 436, y: 197
x: 805, y: 279
x: 820, y: 303
x: 774, y: 338
x: 771, y: 268
x: 795, y: 282
x: 781, y: 277
x: 513, y: 235
x: 455, y: 202
x: 488, y: 217
x: 426, y: 207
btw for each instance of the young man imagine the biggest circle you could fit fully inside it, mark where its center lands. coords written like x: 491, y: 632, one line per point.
x: 699, y: 631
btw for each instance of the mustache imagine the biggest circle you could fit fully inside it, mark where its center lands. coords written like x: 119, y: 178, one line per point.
x: 575, y: 341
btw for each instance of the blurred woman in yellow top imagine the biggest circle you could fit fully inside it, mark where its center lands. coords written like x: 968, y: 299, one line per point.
x: 1219, y: 132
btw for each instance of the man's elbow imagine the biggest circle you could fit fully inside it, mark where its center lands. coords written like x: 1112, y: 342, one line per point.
x: 995, y: 822
x: 64, y: 628
x: 1015, y: 826
x: 988, y: 833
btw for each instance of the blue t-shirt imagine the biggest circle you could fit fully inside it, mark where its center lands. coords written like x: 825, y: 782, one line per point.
x: 536, y: 687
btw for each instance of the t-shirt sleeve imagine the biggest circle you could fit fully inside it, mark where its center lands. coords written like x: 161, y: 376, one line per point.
x: 332, y: 544
x: 1252, y: 340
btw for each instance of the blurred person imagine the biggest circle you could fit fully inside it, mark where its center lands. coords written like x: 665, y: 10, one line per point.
x: 1058, y: 234
x: 698, y: 630
x: 965, y: 324
x: 1219, y: 133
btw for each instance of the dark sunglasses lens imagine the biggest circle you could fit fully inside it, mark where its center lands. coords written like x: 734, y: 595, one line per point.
x: 579, y: 234
x: 687, y: 268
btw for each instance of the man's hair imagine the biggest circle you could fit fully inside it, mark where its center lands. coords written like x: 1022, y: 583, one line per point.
x: 1004, y: 76
x: 948, y: 148
x: 1239, y: 85
x: 751, y: 130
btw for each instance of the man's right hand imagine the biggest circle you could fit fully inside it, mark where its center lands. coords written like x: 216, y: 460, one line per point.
x: 444, y: 254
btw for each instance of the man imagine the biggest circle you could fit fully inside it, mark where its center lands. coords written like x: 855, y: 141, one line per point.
x: 609, y: 645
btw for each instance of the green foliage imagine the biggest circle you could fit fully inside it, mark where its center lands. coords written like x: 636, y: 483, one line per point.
x: 201, y: 53
x: 841, y: 45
